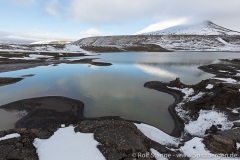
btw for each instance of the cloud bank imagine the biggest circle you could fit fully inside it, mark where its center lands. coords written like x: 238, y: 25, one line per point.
x: 120, y: 11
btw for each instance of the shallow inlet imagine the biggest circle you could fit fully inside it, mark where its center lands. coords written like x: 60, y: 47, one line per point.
x: 116, y: 90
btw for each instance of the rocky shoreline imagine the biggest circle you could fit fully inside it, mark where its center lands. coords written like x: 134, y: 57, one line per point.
x: 123, y: 139
x: 23, y: 60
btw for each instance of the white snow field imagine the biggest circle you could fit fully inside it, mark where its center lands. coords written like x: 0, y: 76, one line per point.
x: 66, y: 144
x: 157, y: 135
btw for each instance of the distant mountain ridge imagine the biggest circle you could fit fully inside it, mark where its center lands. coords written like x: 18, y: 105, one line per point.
x: 205, y: 28
x: 51, y: 42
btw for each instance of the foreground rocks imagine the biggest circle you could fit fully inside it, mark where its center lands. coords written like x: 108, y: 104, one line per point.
x: 221, y: 93
x: 224, y: 142
x: 118, y: 139
x: 6, y: 81
x: 21, y: 148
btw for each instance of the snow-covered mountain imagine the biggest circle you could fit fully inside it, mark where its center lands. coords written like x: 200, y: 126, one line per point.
x: 205, y: 28
x: 205, y: 36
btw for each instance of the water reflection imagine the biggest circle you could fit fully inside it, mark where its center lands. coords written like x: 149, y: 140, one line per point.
x: 115, y: 90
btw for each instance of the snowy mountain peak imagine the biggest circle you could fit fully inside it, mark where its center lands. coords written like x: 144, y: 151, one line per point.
x: 204, y: 28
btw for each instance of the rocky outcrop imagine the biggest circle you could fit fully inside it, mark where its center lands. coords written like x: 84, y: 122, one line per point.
x: 223, y: 142
x: 22, y: 148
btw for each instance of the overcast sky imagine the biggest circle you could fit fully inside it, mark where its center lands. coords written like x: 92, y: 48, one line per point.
x: 73, y: 19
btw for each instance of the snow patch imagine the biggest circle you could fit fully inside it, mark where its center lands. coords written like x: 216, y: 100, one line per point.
x: 228, y: 80
x: 183, y: 114
x: 224, y: 42
x: 197, y: 96
x: 238, y: 145
x: 206, y: 119
x: 209, y: 86
x: 187, y: 91
x: 39, y: 56
x: 10, y: 136
x: 194, y: 147
x: 157, y: 135
x: 22, y: 58
x: 236, y: 110
x: 222, y: 71
x: 66, y: 144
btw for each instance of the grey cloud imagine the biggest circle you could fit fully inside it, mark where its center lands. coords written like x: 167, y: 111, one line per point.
x: 120, y: 11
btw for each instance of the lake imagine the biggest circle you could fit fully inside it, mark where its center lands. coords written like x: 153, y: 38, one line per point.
x: 115, y: 90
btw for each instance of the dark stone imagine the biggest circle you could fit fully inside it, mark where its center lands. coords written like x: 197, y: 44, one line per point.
x: 236, y: 124
x: 213, y: 129
x: 218, y: 144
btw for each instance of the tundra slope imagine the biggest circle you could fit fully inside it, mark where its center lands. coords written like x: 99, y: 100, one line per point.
x: 206, y: 36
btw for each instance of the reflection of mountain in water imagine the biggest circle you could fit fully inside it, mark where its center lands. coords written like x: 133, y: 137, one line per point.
x: 188, y: 63
x: 155, y: 70
x: 172, y: 70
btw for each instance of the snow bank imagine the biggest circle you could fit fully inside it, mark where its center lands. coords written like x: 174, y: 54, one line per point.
x: 66, y: 144
x: 228, y: 80
x: 206, y: 119
x: 9, y: 136
x: 39, y: 56
x: 23, y: 58
x: 157, y: 135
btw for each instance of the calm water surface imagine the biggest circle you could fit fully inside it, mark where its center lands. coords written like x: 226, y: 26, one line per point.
x: 115, y: 90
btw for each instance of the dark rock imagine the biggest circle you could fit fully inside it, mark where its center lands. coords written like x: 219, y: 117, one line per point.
x: 47, y: 112
x: 176, y: 83
x: 236, y: 124
x: 6, y: 81
x: 218, y: 144
x: 223, y: 142
x: 19, y: 145
x: 233, y: 134
x: 213, y: 129
x: 119, y: 139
